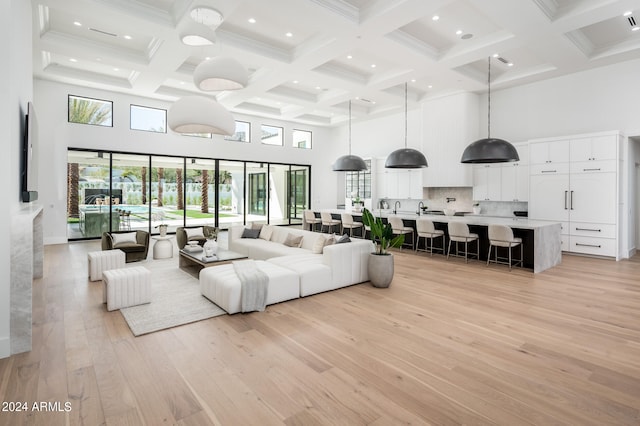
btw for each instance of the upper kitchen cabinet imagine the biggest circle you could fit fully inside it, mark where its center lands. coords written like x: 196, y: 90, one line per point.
x: 595, y: 148
x: 449, y: 124
x: 549, y: 152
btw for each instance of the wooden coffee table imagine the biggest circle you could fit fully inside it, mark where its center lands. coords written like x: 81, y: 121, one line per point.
x: 193, y: 262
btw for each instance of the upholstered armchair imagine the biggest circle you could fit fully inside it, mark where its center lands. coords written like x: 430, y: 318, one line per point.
x: 134, y: 244
x: 195, y: 233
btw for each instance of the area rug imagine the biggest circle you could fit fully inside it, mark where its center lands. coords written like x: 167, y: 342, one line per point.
x: 175, y: 300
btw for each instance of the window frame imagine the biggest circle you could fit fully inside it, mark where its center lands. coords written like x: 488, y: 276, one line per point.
x: 262, y: 126
x: 149, y: 108
x: 105, y: 101
x: 248, y: 137
x: 293, y: 132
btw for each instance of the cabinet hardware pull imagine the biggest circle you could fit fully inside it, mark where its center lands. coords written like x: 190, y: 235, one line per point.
x: 591, y: 170
x: 549, y: 171
x: 589, y: 245
x: 571, y: 203
x: 565, y: 199
x: 587, y: 229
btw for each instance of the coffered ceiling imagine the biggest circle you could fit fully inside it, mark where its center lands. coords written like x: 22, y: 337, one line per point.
x: 308, y: 58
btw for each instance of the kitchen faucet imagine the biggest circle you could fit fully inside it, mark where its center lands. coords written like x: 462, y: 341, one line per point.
x: 420, y: 207
x: 395, y: 207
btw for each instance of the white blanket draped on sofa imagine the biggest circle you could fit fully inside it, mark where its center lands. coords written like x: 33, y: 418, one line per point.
x: 254, y: 285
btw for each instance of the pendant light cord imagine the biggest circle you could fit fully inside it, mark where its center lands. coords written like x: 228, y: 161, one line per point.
x: 349, y: 126
x: 489, y: 100
x: 405, y: 115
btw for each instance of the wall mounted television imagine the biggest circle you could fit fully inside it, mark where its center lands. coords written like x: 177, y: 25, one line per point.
x: 28, y: 166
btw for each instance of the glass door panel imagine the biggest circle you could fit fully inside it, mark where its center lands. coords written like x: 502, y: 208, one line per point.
x: 88, y: 213
x: 130, y: 179
x: 199, y: 192
x: 298, y: 193
x: 231, y: 201
x: 167, y: 193
x: 279, y: 202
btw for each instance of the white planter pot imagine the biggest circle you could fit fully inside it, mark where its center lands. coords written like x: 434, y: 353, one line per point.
x: 380, y: 268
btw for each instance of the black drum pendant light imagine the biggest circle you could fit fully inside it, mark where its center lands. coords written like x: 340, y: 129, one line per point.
x: 405, y: 158
x: 489, y: 150
x: 349, y: 163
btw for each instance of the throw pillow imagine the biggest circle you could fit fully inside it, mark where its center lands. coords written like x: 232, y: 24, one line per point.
x: 266, y: 232
x: 257, y: 226
x: 344, y: 239
x: 194, y: 233
x: 119, y: 240
x: 250, y: 233
x: 318, y: 244
x: 293, y: 240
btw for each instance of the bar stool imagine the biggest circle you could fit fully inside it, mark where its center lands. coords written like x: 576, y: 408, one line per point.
x: 502, y: 236
x: 428, y: 231
x: 349, y: 223
x: 328, y: 221
x: 311, y: 219
x: 397, y: 226
x: 459, y: 233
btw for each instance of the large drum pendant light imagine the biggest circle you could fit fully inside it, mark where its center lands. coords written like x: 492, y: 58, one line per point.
x: 220, y: 73
x: 489, y: 150
x: 197, y: 114
x: 406, y: 158
x: 349, y: 163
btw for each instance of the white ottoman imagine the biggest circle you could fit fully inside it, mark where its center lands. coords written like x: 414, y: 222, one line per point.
x: 99, y: 261
x: 221, y: 285
x: 126, y: 287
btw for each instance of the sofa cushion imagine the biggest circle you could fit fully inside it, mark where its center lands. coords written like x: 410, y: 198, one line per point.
x: 293, y: 240
x: 194, y: 233
x: 344, y: 239
x: 315, y: 276
x: 266, y: 232
x: 250, y: 233
x: 122, y: 240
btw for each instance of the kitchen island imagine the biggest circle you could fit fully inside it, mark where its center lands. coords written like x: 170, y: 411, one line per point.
x: 540, y: 240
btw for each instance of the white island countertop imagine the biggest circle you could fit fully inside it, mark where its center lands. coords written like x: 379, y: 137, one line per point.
x: 515, y: 222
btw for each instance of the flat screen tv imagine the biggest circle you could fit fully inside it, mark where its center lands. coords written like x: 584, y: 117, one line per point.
x: 28, y: 166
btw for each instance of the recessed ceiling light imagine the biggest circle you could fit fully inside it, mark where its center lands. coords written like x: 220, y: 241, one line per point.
x: 429, y: 87
x: 73, y: 60
x: 295, y: 81
x: 635, y: 28
x: 116, y: 69
x: 357, y: 98
x: 127, y: 37
x: 413, y: 80
x: 627, y: 13
x: 458, y: 32
x: 207, y: 16
x: 252, y: 20
x: 207, y: 58
x: 510, y: 64
x: 495, y: 55
x: 435, y: 18
x: 182, y: 82
x: 349, y: 57
x: 373, y: 65
x: 77, y: 24
x: 289, y: 34
x: 318, y: 87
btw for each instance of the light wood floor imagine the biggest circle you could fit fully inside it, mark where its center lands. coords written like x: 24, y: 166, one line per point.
x: 446, y: 344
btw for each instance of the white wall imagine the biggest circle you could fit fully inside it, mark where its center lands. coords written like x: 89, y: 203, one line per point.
x: 56, y: 135
x: 16, y: 89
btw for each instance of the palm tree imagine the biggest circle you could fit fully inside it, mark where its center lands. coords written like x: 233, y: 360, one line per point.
x: 179, y: 183
x: 143, y: 178
x: 73, y: 176
x: 160, y: 186
x: 89, y: 112
x: 204, y: 207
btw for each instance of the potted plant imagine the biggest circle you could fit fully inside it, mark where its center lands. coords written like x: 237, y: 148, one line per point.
x: 162, y: 227
x: 380, y: 265
x: 356, y: 202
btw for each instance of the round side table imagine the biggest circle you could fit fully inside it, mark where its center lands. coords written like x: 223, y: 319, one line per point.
x: 163, y: 247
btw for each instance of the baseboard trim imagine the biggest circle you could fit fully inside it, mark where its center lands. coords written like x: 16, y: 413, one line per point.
x: 55, y: 240
x: 5, y: 347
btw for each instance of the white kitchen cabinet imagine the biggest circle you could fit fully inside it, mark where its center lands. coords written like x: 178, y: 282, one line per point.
x: 582, y: 193
x: 399, y: 183
x: 487, y: 182
x: 515, y: 176
x: 515, y: 182
x: 549, y: 151
x: 594, y: 148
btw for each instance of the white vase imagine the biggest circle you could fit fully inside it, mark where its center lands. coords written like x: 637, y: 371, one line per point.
x: 210, y: 248
x: 163, y: 230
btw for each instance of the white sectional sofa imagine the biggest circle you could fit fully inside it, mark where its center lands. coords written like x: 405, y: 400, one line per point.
x: 318, y: 269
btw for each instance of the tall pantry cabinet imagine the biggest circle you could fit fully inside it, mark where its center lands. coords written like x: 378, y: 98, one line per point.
x: 575, y: 181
